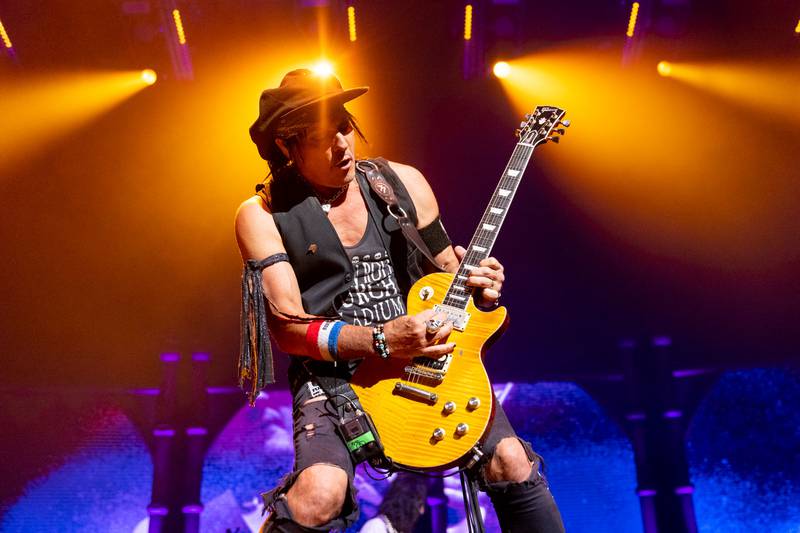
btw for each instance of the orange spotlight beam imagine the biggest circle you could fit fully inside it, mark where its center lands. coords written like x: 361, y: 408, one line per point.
x: 632, y: 19
x: 176, y: 16
x: 33, y: 108
x: 4, y: 35
x: 797, y: 28
x: 351, y: 23
x: 468, y: 22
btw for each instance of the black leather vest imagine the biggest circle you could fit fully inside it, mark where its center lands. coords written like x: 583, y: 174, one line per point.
x: 315, y: 252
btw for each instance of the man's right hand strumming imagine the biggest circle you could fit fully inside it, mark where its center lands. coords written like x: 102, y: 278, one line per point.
x: 417, y: 335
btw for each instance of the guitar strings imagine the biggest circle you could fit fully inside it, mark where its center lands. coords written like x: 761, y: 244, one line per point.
x: 520, y: 158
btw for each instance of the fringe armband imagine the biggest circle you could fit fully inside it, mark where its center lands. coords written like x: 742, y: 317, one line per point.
x: 255, y: 352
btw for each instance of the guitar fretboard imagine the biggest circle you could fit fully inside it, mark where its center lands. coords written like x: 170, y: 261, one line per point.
x: 484, y: 238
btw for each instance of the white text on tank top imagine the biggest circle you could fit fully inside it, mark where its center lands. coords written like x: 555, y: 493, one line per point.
x: 374, y: 297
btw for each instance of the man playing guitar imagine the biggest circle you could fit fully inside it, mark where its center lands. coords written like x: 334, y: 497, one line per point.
x: 333, y: 272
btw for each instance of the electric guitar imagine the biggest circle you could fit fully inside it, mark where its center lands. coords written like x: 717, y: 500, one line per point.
x: 430, y: 413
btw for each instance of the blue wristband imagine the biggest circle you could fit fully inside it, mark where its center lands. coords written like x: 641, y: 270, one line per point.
x: 333, y: 339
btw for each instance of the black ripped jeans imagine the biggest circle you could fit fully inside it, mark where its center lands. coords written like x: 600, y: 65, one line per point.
x: 525, y: 507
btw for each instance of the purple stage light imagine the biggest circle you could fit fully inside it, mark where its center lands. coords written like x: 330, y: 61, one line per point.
x: 201, y: 356
x: 674, y: 413
x: 646, y: 493
x: 146, y: 392
x: 223, y: 390
x: 690, y: 372
x: 192, y: 509
x: 638, y: 415
x: 157, y: 510
x: 688, y: 489
x: 662, y: 341
x: 163, y: 432
x: 170, y: 357
x: 196, y: 431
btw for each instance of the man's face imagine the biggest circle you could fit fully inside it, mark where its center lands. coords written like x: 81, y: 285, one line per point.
x: 327, y: 152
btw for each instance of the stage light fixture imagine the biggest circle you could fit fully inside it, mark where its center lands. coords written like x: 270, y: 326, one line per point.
x: 4, y: 35
x: 323, y: 69
x: 501, y: 69
x: 149, y: 76
x: 468, y: 22
x: 632, y: 20
x: 351, y: 23
x: 176, y: 16
x: 664, y: 68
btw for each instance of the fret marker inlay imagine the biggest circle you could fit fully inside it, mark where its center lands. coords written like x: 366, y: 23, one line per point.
x: 489, y: 227
x: 480, y: 249
x: 503, y: 192
x: 461, y: 298
x: 513, y: 173
x: 496, y: 211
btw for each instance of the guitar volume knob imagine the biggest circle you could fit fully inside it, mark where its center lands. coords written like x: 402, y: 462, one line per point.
x: 438, y: 434
x: 425, y: 293
x: 473, y: 403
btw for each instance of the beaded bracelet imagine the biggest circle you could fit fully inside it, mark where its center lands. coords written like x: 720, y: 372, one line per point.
x: 379, y: 342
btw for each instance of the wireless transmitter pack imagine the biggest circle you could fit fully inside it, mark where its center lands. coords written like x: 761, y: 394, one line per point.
x: 361, y: 438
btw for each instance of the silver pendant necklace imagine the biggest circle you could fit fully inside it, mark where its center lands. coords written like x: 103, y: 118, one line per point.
x: 326, y: 203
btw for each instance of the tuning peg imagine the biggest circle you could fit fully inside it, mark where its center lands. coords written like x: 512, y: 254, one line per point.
x: 522, y: 125
x: 565, y: 123
x: 517, y: 132
x: 527, y: 116
x: 554, y: 139
x: 560, y: 131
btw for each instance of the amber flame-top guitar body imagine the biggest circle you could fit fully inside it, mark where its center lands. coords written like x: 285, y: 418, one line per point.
x: 407, y: 422
x: 431, y: 413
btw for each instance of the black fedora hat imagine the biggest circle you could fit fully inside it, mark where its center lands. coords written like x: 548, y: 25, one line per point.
x: 300, y: 92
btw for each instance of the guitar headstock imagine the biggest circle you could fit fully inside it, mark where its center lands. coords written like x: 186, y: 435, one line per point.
x: 541, y: 126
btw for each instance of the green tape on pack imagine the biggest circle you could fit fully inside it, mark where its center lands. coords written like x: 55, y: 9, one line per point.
x: 358, y: 442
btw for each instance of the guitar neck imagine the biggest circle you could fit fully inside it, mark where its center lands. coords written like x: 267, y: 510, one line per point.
x: 482, y: 242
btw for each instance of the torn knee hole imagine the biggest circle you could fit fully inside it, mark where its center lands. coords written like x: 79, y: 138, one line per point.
x: 310, y: 429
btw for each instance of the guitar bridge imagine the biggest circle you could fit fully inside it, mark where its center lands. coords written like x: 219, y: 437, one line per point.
x: 457, y: 316
x: 424, y: 373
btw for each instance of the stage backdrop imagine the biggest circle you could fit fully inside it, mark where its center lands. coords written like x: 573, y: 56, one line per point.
x: 73, y: 461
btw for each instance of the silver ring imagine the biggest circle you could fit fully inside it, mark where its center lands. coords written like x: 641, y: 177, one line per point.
x: 433, y: 325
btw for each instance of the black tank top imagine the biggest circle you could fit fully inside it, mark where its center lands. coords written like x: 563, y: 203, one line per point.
x: 374, y: 297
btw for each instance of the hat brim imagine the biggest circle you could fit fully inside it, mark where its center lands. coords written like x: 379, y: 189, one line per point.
x: 335, y: 98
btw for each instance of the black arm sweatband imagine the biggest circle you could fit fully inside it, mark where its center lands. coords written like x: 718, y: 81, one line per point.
x: 435, y: 236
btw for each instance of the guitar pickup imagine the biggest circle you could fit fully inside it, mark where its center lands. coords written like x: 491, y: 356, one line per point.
x: 457, y: 316
x: 441, y: 364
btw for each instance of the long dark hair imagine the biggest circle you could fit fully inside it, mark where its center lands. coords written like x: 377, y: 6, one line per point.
x: 403, y: 501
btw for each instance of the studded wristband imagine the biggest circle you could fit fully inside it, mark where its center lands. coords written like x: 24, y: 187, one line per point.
x: 379, y: 342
